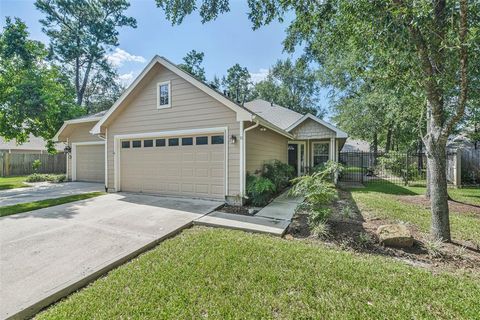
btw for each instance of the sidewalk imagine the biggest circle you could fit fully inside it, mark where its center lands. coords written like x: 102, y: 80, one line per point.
x: 273, y: 219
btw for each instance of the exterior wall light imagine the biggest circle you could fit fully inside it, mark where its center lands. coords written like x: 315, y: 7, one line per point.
x: 263, y: 129
x: 233, y: 139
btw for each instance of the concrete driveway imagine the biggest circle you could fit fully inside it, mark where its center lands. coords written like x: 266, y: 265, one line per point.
x: 44, y: 191
x: 48, y: 253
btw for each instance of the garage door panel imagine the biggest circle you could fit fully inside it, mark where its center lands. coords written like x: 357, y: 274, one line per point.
x: 90, y: 163
x: 196, y: 170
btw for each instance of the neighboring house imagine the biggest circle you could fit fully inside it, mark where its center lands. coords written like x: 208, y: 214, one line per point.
x: 172, y: 134
x: 352, y: 145
x: 33, y: 145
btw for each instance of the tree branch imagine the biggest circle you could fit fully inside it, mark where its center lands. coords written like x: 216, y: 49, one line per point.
x: 462, y: 101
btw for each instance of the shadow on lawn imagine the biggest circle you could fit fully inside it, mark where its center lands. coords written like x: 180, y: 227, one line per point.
x: 383, y: 186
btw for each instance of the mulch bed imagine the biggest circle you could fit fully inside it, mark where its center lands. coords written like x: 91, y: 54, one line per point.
x: 358, y: 233
x: 235, y: 210
x: 452, y: 205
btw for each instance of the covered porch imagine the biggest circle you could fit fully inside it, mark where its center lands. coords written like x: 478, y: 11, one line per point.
x: 303, y: 155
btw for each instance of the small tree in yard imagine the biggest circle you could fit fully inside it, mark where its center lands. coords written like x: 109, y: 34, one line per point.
x: 427, y: 49
x: 36, y: 165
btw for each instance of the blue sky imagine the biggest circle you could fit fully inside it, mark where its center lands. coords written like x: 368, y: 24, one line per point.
x: 225, y: 41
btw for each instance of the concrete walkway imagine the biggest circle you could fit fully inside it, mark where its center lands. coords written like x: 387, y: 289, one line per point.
x: 43, y: 191
x: 47, y: 254
x: 273, y: 219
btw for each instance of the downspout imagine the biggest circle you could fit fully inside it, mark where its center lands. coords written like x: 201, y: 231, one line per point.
x: 105, y: 138
x: 243, y: 165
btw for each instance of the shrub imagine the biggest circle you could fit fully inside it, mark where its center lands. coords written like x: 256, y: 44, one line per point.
x: 36, y: 165
x: 318, y: 215
x: 38, y: 177
x: 279, y: 173
x: 260, y: 190
x: 313, y: 187
x: 321, y: 230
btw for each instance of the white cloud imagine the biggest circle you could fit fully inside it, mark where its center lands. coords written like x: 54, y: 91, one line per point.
x: 259, y: 76
x: 126, y: 78
x: 120, y: 56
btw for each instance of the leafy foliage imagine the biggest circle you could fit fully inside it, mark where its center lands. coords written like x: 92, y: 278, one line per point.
x: 36, y: 165
x: 279, y: 173
x: 237, y: 82
x: 81, y: 33
x: 38, y: 177
x: 35, y: 97
x: 192, y: 63
x: 314, y: 188
x: 260, y: 190
x: 293, y: 85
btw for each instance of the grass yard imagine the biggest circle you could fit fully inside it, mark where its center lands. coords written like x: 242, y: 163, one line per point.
x: 382, y: 201
x: 218, y: 274
x: 29, y: 206
x: 12, y: 182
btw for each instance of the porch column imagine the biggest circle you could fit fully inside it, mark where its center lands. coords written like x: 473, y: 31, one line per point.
x: 332, y: 149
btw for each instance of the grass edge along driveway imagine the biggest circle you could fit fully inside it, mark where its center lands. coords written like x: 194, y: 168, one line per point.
x: 35, y: 205
x: 227, y: 274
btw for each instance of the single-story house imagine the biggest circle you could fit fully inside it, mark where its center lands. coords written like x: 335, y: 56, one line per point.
x: 171, y: 134
x: 35, y: 145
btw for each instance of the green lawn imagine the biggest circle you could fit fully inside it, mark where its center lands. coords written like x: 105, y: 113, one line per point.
x: 12, y: 182
x: 225, y: 274
x: 29, y: 206
x: 380, y: 200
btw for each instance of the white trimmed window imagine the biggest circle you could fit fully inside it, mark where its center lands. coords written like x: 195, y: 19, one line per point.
x: 320, y: 153
x: 163, y: 95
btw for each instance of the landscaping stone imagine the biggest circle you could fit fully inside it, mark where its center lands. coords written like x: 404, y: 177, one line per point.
x: 395, y: 235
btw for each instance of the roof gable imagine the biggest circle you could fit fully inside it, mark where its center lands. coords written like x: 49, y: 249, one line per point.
x: 242, y: 113
x: 339, y: 133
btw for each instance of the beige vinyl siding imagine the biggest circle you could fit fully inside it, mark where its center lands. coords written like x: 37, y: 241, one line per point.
x: 311, y: 129
x: 79, y: 132
x: 264, y: 146
x: 191, y: 109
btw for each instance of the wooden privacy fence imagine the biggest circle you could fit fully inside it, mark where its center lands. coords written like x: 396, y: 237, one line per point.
x: 17, y: 164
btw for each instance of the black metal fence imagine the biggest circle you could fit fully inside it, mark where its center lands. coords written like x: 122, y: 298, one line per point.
x: 395, y: 167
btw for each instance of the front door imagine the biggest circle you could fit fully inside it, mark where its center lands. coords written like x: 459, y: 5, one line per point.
x: 293, y: 156
x: 296, y: 157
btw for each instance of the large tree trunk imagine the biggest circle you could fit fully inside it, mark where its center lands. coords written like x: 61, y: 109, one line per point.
x: 375, y: 148
x: 388, y: 144
x: 436, y: 163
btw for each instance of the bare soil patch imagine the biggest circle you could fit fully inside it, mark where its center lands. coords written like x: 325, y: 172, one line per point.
x: 350, y: 230
x: 236, y: 209
x: 454, y: 206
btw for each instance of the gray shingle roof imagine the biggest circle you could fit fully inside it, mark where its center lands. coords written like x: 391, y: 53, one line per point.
x: 92, y: 115
x: 277, y: 115
x: 33, y: 143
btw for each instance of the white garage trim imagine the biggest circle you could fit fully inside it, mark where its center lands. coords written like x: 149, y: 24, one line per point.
x: 74, y: 155
x: 118, y: 137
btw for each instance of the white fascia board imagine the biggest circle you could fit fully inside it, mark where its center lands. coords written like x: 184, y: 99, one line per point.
x: 74, y: 121
x: 266, y: 124
x: 242, y: 114
x: 339, y: 133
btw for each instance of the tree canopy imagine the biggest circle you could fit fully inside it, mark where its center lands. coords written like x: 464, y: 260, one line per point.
x: 81, y: 33
x: 192, y: 63
x: 293, y: 85
x: 35, y: 97
x: 237, y: 83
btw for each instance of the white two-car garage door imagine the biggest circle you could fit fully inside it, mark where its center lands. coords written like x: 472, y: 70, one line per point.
x: 192, y: 166
x: 89, y: 163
